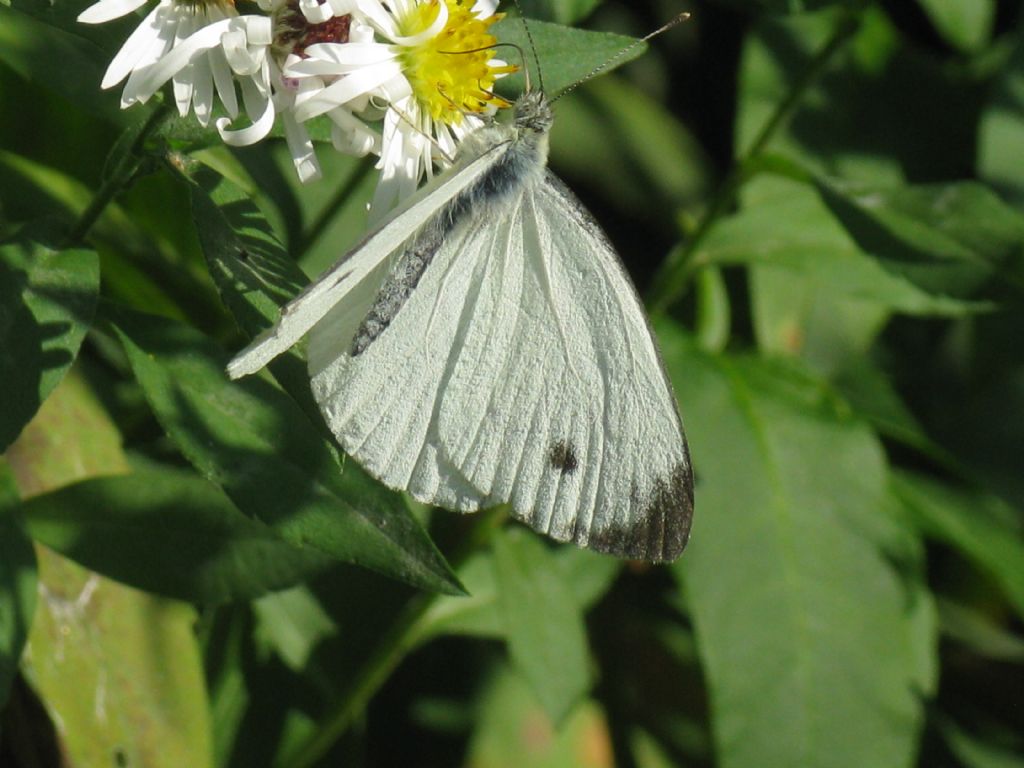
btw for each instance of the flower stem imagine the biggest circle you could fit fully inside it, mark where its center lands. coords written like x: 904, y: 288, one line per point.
x: 405, y: 634
x: 675, y: 272
x: 117, y: 179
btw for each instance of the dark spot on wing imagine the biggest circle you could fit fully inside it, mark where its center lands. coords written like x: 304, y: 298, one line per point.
x: 663, y: 527
x: 563, y: 457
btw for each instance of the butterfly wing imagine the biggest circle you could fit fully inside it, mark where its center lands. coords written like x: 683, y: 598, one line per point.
x: 520, y: 370
x: 353, y: 280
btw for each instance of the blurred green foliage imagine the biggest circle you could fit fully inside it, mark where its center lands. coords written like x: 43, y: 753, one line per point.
x: 821, y: 201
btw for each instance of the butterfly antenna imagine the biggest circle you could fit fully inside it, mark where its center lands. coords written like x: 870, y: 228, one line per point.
x: 624, y: 52
x: 533, y: 50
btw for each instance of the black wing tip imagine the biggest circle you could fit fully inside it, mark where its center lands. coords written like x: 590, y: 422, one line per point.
x: 661, y: 533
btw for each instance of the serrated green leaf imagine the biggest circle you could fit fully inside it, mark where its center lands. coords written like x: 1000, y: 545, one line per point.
x: 812, y: 648
x: 255, y: 443
x: 169, y: 532
x: 567, y: 55
x: 18, y: 586
x: 47, y: 300
x: 975, y: 524
x: 546, y: 637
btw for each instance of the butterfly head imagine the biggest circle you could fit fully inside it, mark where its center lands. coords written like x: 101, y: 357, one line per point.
x: 533, y: 113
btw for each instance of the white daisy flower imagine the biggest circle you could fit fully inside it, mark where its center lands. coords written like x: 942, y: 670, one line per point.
x: 426, y: 61
x: 205, y: 47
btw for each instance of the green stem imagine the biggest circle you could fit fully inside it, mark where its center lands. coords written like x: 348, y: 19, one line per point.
x: 390, y: 651
x: 117, y: 179
x: 671, y: 281
x: 404, y: 635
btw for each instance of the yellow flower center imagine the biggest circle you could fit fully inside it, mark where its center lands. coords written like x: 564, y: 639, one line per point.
x: 449, y: 73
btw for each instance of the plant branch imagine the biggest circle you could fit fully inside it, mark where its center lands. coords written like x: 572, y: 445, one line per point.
x: 118, y: 178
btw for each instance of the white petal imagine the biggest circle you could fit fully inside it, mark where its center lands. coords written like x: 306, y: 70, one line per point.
x: 347, y: 88
x: 339, y: 58
x: 202, y: 89
x: 223, y: 81
x: 183, y: 89
x: 352, y: 136
x: 179, y: 58
x: 483, y: 9
x: 301, y: 148
x: 315, y: 12
x: 380, y: 18
x: 145, y: 39
x: 106, y: 10
x: 255, y: 103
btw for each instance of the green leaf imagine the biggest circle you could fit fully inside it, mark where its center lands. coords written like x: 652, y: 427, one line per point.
x: 293, y: 623
x: 813, y: 647
x: 1001, y: 129
x: 975, y: 752
x: 978, y: 525
x: 945, y: 238
x: 512, y: 731
x: 47, y: 300
x: 559, y: 11
x: 646, y: 153
x: 980, y: 633
x: 790, y: 228
x: 119, y: 670
x: 169, y: 532
x: 546, y: 637
x: 18, y: 585
x: 873, y: 396
x: 964, y: 24
x: 256, y: 444
x: 252, y: 270
x: 567, y: 55
x: 800, y: 315
x: 844, y: 123
x: 587, y: 574
x: 57, y: 60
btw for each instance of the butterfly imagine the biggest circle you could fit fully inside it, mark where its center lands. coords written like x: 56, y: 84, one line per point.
x: 483, y: 345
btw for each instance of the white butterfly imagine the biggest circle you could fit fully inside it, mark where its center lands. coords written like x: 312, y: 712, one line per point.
x: 484, y: 345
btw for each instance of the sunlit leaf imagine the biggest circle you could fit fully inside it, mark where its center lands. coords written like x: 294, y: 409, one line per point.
x: 118, y: 671
x: 168, y: 532
x: 254, y: 442
x: 567, y: 55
